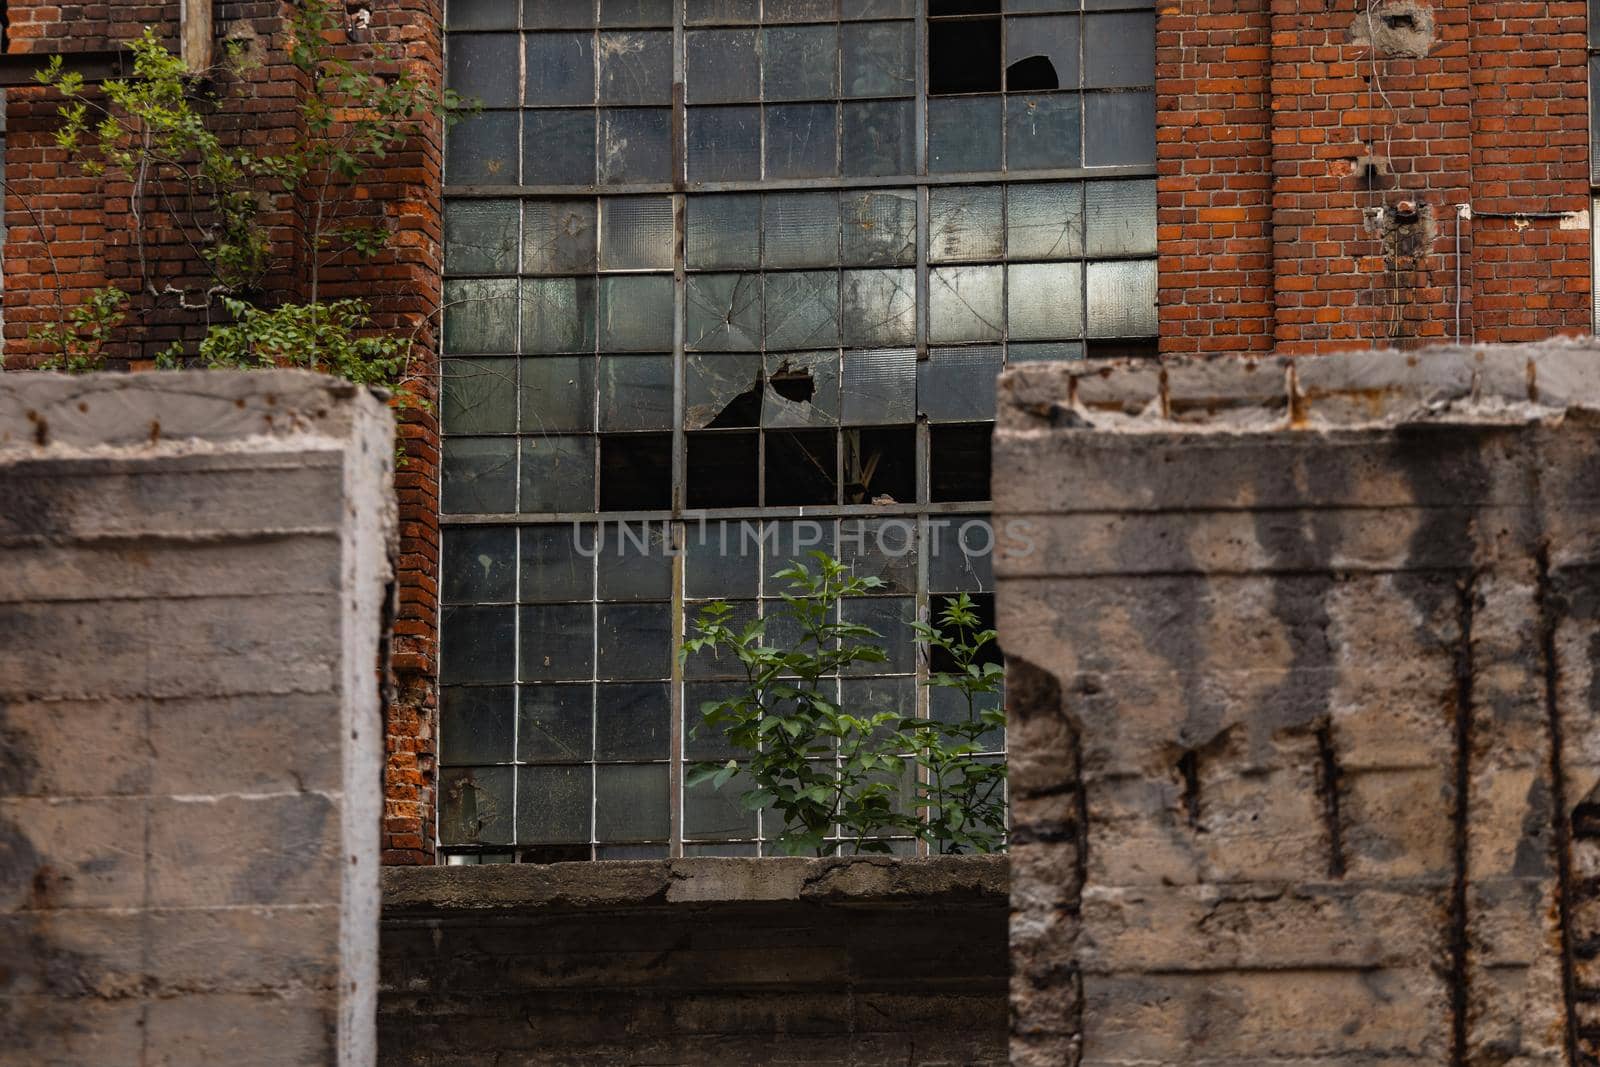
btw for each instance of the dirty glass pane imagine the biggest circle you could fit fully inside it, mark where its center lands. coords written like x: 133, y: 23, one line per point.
x: 475, y: 806
x: 635, y: 68
x: 880, y: 227
x: 636, y: 313
x: 724, y: 312
x: 634, y: 562
x: 879, y: 307
x: 557, y: 148
x: 885, y: 549
x: 722, y: 66
x: 557, y: 474
x: 948, y: 705
x: 869, y: 696
x: 1118, y: 49
x: 482, y: 149
x: 558, y: 14
x: 792, y: 540
x: 879, y: 59
x: 480, y: 236
x: 721, y: 559
x: 801, y: 230
x: 960, y: 554
x: 701, y: 740
x: 479, y: 564
x: 880, y: 387
x: 631, y: 802
x: 555, y: 722
x: 634, y: 641
x: 723, y: 231
x: 891, y: 618
x: 475, y: 723
x: 480, y: 15
x: 636, y: 233
x: 553, y: 804
x: 966, y: 304
x: 479, y: 475
x: 557, y: 562
x: 632, y: 722
x: 703, y: 11
x: 557, y: 642
x: 958, y: 384
x: 478, y: 395
x: 1027, y: 353
x: 1045, y: 221
x: 802, y: 141
x: 964, y: 134
x: 802, y: 309
x: 558, y: 314
x: 722, y: 391
x: 1047, y: 48
x: 560, y: 69
x: 964, y: 223
x: 877, y: 9
x: 878, y: 138
x: 1121, y: 218
x: 800, y: 10
x: 724, y: 144
x: 1122, y: 299
x: 480, y: 315
x: 558, y: 394
x: 1120, y: 128
x: 713, y: 813
x: 802, y: 389
x: 478, y: 66
x: 635, y: 392
x: 635, y: 145
x: 558, y: 236
x: 799, y: 62
x: 717, y: 664
x: 636, y: 12
x: 1043, y: 301
x: 1042, y: 131
x: 479, y: 644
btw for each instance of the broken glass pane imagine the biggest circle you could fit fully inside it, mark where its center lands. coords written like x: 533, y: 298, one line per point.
x: 557, y: 149
x: 721, y: 559
x: 801, y: 230
x: 723, y: 231
x: 555, y: 722
x: 802, y: 141
x: 478, y: 65
x: 477, y: 644
x: 1121, y: 218
x: 1117, y: 49
x: 878, y: 138
x: 799, y: 62
x: 715, y: 813
x: 480, y: 564
x: 558, y: 14
x: 556, y: 562
x: 636, y: 12
x: 636, y: 472
x: 722, y: 391
x: 722, y: 66
x: 1122, y: 299
x: 1044, y: 221
x: 880, y: 465
x: 557, y: 474
x: 560, y: 69
x: 724, y: 144
x: 558, y: 314
x: 958, y: 457
x: 475, y: 806
x: 964, y: 57
x: 635, y: 641
x: 631, y: 802
x: 635, y: 392
x: 1042, y: 131
x: 558, y: 394
x: 480, y: 236
x: 480, y: 315
x: 880, y: 386
x: 879, y: 307
x: 635, y: 145
x: 890, y: 618
x: 965, y: 304
x: 801, y: 468
x: 636, y: 313
x: 482, y: 149
x: 697, y: 12
x: 553, y: 804
x: 964, y: 223
x: 557, y: 642
x: 961, y: 554
x: 475, y: 723
x: 802, y: 389
x: 478, y: 395
x: 636, y: 233
x: 880, y: 227
x: 1121, y: 129
x: 958, y: 384
x: 559, y: 237
x: 1044, y: 301
x: 633, y: 721
x: 878, y: 59
x: 480, y: 15
x: 1027, y: 353
x: 479, y: 475
x: 634, y: 562
x: 722, y: 469
x: 1042, y: 53
x: 802, y: 309
x: 724, y: 312
x: 964, y: 134
x: 635, y: 68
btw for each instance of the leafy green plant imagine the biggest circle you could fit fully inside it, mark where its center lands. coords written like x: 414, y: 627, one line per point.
x: 80, y: 340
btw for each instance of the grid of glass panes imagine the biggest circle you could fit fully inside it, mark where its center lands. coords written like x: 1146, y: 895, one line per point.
x: 762, y: 345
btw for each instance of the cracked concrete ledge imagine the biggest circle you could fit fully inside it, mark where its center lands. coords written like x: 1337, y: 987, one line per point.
x: 1490, y: 384
x: 432, y: 891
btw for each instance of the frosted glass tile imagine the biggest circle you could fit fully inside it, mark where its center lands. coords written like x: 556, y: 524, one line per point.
x: 880, y: 387
x: 801, y: 230
x: 1044, y: 301
x: 965, y: 223
x: 558, y: 237
x: 636, y: 233
x: 1122, y: 299
x: 481, y: 236
x: 560, y: 68
x: 1044, y: 221
x: 878, y: 307
x: 723, y: 231
x: 557, y: 394
x: 880, y: 227
x: 966, y: 304
x: 558, y: 314
x: 724, y: 312
x: 1121, y: 218
x: 478, y: 396
x: 801, y: 310
x: 636, y: 313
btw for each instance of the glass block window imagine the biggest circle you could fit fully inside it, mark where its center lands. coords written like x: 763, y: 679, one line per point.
x: 727, y: 280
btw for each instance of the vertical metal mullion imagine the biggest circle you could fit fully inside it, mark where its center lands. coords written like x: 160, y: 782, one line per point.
x: 923, y: 708
x: 677, y: 535
x: 922, y: 185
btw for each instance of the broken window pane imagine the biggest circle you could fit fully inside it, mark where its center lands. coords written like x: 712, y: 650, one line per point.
x: 1045, y: 221
x: 555, y: 722
x: 636, y: 233
x: 801, y: 230
x: 635, y: 68
x: 724, y: 144
x: 478, y: 66
x: 878, y: 59
x: 724, y: 312
x: 476, y: 723
x: 802, y: 309
x: 722, y: 391
x: 479, y: 565
x: 635, y: 392
x: 636, y: 313
x: 633, y: 721
x: 879, y: 307
x: 958, y: 384
x: 1042, y: 53
x: 558, y: 315
x: 480, y: 236
x: 475, y: 806
x: 553, y: 804
x: 479, y: 475
x: 880, y: 466
x: 878, y: 138
x: 635, y: 145
x: 636, y: 12
x: 480, y: 15
x: 630, y: 802
x: 478, y: 395
x: 802, y: 389
x: 557, y: 642
x: 1116, y: 49
x: 560, y: 69
x: 802, y: 141
x: 634, y: 562
x: 890, y: 618
x: 880, y: 227
x: 964, y: 57
x: 558, y: 394
x: 964, y: 134
x: 636, y: 472
x: 799, y: 62
x: 721, y: 560
x: 964, y: 223
x: 880, y: 386
x: 557, y: 149
x: 480, y: 315
x: 722, y: 66
x: 481, y: 149
x: 1042, y: 131
x: 961, y: 554
x: 722, y: 470
x: 479, y: 644
x: 801, y: 468
x: 557, y: 474
x: 1044, y: 301
x: 958, y: 462
x: 1120, y: 129
x: 885, y: 549
x: 965, y: 304
x: 556, y: 562
x: 1121, y: 218
x: 558, y: 237
x: 723, y: 231
x: 1122, y: 299
x: 635, y: 641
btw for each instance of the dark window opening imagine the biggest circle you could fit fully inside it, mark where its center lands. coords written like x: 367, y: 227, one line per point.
x: 800, y: 467
x: 959, y: 462
x: 880, y: 466
x: 1036, y: 74
x: 964, y: 56
x: 556, y: 854
x: 983, y: 606
x: 794, y: 383
x: 722, y: 470
x: 636, y: 472
x: 743, y: 410
x: 1146, y: 348
x: 938, y: 8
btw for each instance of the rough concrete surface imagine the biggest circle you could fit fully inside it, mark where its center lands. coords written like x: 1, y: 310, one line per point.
x: 1305, y: 708
x: 191, y: 606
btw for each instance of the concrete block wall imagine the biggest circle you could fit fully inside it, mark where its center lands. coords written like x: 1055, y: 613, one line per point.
x: 192, y: 598
x: 1305, y: 713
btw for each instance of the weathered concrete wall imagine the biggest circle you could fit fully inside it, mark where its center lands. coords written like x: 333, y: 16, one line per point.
x: 191, y: 602
x: 1305, y: 708
x: 725, y: 962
